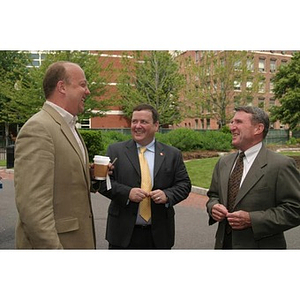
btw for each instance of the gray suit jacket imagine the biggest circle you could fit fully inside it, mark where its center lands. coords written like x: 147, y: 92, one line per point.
x: 270, y: 192
x: 52, y: 186
x: 170, y: 175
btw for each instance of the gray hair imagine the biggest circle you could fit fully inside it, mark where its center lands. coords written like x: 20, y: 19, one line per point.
x: 258, y: 116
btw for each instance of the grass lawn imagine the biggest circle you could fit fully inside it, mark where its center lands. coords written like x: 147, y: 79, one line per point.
x: 291, y: 153
x: 200, y: 170
x: 2, y: 163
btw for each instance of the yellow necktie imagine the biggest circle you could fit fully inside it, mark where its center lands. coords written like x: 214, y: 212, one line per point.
x: 145, y: 205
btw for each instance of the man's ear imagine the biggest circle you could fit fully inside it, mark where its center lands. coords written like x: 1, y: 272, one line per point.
x: 259, y: 128
x: 61, y: 86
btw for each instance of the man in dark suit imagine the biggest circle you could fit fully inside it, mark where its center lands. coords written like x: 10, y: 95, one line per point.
x: 268, y: 200
x: 126, y: 228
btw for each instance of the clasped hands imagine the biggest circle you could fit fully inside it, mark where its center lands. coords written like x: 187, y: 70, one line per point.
x: 137, y: 195
x: 237, y: 220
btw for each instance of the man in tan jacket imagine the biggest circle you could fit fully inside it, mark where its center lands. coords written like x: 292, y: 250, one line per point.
x: 52, y: 177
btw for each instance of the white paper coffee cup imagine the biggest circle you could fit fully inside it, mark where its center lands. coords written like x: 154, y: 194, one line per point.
x: 101, y: 166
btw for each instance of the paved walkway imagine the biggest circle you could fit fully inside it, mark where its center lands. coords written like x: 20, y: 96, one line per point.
x: 194, y: 200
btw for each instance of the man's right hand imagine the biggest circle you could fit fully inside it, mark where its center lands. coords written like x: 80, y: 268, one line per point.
x: 219, y: 212
x: 137, y: 195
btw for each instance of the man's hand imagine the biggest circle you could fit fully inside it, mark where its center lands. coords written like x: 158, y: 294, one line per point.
x: 158, y: 196
x: 239, y: 220
x: 219, y: 212
x: 137, y: 195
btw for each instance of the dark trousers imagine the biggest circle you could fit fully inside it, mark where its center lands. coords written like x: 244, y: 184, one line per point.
x: 141, y: 239
x: 227, y: 244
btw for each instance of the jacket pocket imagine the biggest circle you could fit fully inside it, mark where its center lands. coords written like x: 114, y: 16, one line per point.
x: 66, y: 225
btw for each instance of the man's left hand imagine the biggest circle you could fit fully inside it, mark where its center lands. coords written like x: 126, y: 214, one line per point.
x: 158, y: 196
x: 239, y: 220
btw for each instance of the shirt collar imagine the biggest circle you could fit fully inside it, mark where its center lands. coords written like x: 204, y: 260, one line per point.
x: 69, y: 118
x: 253, y: 151
x: 150, y: 146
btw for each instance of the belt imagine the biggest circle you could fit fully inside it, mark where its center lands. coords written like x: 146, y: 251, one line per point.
x: 143, y: 227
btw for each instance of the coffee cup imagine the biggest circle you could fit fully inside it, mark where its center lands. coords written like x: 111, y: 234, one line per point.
x: 101, y: 166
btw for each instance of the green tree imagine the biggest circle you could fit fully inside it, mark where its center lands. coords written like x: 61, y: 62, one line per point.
x: 212, y: 82
x: 287, y: 91
x: 28, y: 96
x: 13, y: 69
x: 152, y: 77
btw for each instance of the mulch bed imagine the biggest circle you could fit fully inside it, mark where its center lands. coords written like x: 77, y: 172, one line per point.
x: 199, y: 154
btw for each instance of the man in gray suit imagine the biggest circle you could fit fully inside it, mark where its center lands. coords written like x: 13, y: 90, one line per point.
x: 268, y: 200
x: 126, y: 228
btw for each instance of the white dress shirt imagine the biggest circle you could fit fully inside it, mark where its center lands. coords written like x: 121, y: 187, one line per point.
x: 250, y: 155
x: 71, y: 121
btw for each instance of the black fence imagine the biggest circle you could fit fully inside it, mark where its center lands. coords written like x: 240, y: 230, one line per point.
x: 2, y: 154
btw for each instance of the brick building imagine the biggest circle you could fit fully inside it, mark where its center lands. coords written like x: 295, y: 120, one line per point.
x: 264, y: 63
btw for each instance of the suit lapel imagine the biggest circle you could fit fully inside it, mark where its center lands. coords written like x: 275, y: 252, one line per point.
x: 159, y: 158
x: 66, y: 131
x: 131, y: 153
x: 87, y: 170
x: 254, y: 174
x: 225, y: 174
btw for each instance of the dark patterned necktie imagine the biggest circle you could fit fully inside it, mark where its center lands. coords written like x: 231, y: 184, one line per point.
x: 235, y: 181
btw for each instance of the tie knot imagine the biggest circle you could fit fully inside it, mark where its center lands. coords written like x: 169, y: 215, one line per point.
x: 143, y: 149
x: 242, y: 154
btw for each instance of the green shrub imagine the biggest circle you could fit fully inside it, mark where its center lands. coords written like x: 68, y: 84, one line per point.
x: 111, y: 137
x: 216, y: 140
x: 93, y: 142
x: 292, y: 141
x: 184, y: 139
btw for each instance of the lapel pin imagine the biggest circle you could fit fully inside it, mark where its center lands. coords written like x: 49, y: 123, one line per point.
x: 161, y: 154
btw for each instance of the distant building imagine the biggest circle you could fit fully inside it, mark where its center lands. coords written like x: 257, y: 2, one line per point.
x: 265, y: 63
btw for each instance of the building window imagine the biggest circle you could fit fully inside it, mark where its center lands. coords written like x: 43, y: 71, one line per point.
x: 37, y: 58
x: 249, y: 85
x: 85, y: 123
x: 272, y: 102
x: 271, y: 86
x: 262, y: 65
x: 284, y: 62
x: 237, y: 65
x: 261, y: 102
x: 273, y: 65
x: 237, y: 85
x: 197, y: 56
x: 262, y: 86
x: 250, y: 66
x: 207, y: 123
x: 202, y: 123
x: 237, y: 101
